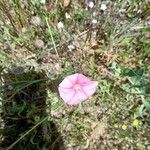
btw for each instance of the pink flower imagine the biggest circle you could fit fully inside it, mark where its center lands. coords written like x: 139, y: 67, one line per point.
x: 76, y: 88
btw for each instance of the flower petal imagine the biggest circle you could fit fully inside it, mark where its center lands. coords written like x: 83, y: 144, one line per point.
x: 72, y: 95
x: 77, y: 98
x: 83, y: 80
x: 90, y: 88
x: 69, y: 81
x: 66, y: 94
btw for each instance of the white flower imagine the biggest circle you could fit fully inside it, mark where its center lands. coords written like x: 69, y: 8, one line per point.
x: 103, y: 7
x: 94, y: 21
x: 91, y: 4
x: 60, y: 25
x: 42, y: 1
x: 71, y: 47
x: 67, y: 16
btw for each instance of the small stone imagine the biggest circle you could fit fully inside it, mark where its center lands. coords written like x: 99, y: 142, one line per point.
x: 66, y: 3
x: 103, y: 7
x: 60, y: 25
x: 67, y: 15
x: 94, y: 44
x: 35, y: 20
x: 23, y: 30
x: 91, y: 4
x: 71, y: 47
x: 94, y: 21
x: 39, y: 43
x: 59, y: 114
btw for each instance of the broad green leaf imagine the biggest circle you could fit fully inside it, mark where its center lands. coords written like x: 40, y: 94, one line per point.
x: 133, y: 72
x: 147, y: 104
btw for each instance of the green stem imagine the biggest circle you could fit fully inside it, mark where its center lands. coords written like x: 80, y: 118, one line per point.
x: 12, y: 145
x: 50, y: 31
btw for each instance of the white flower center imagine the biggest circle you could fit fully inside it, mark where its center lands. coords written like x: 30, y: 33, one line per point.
x: 77, y: 87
